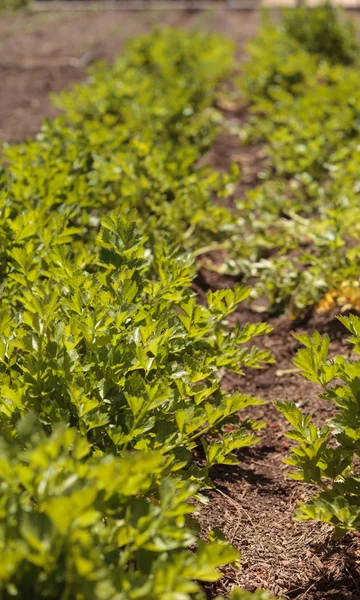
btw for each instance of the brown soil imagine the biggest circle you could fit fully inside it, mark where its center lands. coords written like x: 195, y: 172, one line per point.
x: 252, y: 503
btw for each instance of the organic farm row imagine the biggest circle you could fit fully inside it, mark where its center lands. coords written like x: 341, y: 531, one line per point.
x: 110, y: 371
x: 303, y: 85
x: 112, y: 409
x: 302, y: 82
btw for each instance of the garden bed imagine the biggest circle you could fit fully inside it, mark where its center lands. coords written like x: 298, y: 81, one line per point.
x: 252, y: 503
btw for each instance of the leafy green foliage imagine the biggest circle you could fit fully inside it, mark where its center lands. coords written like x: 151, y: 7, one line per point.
x: 301, y: 223
x: 323, y: 32
x: 326, y: 456
x: 73, y: 525
x: 111, y: 404
x: 131, y: 138
x: 122, y: 352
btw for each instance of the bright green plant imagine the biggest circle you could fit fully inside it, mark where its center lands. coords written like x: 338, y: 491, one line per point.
x: 123, y: 352
x: 111, y: 408
x: 300, y: 224
x: 131, y: 138
x: 326, y: 456
x: 74, y: 526
x: 323, y: 30
x: 276, y: 60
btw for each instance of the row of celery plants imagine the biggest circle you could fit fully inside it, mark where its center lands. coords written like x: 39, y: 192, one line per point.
x: 302, y: 81
x: 301, y: 222
x: 111, y: 408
